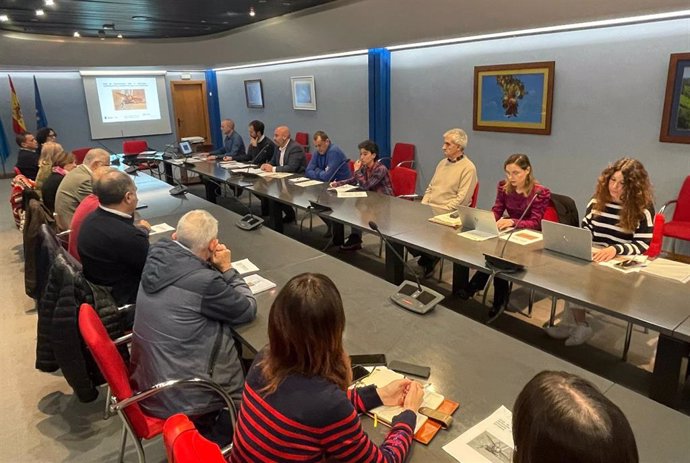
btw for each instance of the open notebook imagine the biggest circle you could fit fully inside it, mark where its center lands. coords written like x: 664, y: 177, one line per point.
x: 381, y: 376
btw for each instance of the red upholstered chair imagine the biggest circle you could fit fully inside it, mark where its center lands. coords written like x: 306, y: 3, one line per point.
x: 303, y: 139
x: 657, y: 236
x: 124, y: 401
x: 307, y: 156
x: 404, y: 182
x: 402, y: 153
x: 130, y: 147
x: 184, y: 444
x: 79, y: 154
x: 351, y: 165
x: 475, y: 195
x: 679, y: 225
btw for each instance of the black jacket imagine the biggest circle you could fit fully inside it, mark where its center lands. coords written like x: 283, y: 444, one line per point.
x: 59, y: 343
x: 27, y: 163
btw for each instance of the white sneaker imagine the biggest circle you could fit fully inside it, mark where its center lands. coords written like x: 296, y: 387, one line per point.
x: 562, y: 331
x: 581, y: 335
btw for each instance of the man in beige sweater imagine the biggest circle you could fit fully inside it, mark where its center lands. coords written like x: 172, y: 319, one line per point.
x: 452, y: 185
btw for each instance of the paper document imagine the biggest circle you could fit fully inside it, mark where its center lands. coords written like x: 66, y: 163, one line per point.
x: 490, y: 441
x: 309, y: 183
x: 278, y: 174
x: 447, y: 220
x: 665, y: 268
x: 258, y: 283
x: 244, y: 266
x: 177, y: 162
x: 255, y: 171
x: 160, y: 228
x: 626, y: 264
x: 343, y: 188
x: 299, y: 179
x: 381, y: 376
x: 352, y: 194
x: 194, y: 160
x: 523, y: 237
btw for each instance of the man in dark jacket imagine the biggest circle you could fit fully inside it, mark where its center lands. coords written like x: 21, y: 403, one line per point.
x: 27, y: 157
x: 112, y: 247
x: 189, y: 299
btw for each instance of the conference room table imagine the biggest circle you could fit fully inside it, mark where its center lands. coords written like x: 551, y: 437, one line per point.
x: 648, y: 301
x: 472, y: 364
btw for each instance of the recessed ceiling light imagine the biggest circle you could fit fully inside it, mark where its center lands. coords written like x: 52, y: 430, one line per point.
x: 252, y: 12
x: 40, y: 12
x: 49, y: 2
x: 141, y: 18
x: 77, y: 34
x: 4, y: 18
x: 109, y: 27
x: 119, y: 36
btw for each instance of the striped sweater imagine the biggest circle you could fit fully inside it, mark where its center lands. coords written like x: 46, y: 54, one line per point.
x: 312, y: 420
x: 605, y: 229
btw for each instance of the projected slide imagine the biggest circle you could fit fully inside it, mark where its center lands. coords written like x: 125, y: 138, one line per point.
x: 128, y: 99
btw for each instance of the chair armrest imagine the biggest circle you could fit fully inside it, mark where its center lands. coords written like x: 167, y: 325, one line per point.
x: 412, y: 196
x: 411, y: 163
x: 63, y: 233
x: 127, y: 307
x: 668, y: 203
x: 126, y: 339
x: 160, y: 387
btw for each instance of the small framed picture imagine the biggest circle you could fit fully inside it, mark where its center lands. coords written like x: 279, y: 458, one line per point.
x: 514, y: 97
x: 303, y: 94
x: 675, y: 120
x: 254, y: 93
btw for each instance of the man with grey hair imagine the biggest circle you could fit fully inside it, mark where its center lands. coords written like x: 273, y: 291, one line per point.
x: 189, y: 300
x: 77, y: 184
x: 451, y: 186
x: 111, y: 246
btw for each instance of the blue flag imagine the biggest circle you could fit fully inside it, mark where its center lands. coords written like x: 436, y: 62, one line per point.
x: 4, y: 148
x: 41, y: 120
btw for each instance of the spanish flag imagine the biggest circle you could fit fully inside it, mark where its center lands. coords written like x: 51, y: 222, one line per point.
x: 18, y: 124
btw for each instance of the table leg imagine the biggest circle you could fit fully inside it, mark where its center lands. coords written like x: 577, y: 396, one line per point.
x: 275, y: 216
x: 338, y: 230
x: 461, y: 277
x: 667, y: 375
x: 395, y: 270
x: 167, y: 169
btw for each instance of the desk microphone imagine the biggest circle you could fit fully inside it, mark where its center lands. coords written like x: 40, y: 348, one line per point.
x: 178, y: 189
x: 410, y: 296
x: 499, y: 263
x: 249, y: 221
x: 314, y: 205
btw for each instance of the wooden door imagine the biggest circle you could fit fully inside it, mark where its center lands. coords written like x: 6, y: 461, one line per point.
x: 191, y: 108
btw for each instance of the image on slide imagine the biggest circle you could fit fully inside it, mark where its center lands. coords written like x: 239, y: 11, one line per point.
x: 124, y: 100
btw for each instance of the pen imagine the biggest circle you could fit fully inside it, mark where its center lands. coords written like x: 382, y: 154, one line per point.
x: 376, y: 420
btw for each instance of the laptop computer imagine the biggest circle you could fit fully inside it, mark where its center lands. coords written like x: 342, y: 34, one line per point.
x: 185, y: 148
x: 568, y: 240
x: 477, y: 224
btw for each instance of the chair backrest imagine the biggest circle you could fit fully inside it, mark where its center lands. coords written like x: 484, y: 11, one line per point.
x: 403, y: 180
x: 566, y: 210
x: 130, y: 147
x: 80, y: 154
x: 682, y: 209
x: 112, y: 366
x: 351, y: 165
x: 402, y: 152
x: 303, y: 139
x: 657, y: 236
x: 550, y: 213
x: 475, y: 195
x: 307, y: 156
x: 184, y: 444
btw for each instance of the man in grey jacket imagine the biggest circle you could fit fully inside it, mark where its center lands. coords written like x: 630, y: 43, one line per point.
x: 189, y: 299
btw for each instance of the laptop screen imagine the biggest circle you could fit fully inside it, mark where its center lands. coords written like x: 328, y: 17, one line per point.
x: 185, y: 148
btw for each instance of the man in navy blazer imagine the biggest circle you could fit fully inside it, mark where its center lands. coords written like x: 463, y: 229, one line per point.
x: 287, y: 157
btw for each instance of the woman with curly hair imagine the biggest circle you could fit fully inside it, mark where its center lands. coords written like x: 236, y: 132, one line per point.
x: 49, y: 151
x: 621, y: 219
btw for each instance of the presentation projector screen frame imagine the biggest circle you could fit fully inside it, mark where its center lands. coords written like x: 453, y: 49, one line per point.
x: 124, y: 105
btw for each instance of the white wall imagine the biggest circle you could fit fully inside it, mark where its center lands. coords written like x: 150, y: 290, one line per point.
x: 608, y: 98
x: 342, y: 101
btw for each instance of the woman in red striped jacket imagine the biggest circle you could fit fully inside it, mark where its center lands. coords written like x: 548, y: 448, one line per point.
x: 296, y: 404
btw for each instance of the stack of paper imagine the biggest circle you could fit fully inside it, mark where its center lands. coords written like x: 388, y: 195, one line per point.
x: 244, y: 266
x: 309, y: 183
x: 352, y: 194
x: 343, y: 188
x: 668, y: 269
x: 490, y: 441
x: 381, y: 376
x: 447, y: 220
x: 160, y: 228
x: 258, y: 283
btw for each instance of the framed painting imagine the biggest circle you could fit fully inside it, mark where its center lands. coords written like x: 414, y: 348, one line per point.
x: 675, y: 120
x: 254, y: 93
x: 303, y: 94
x: 514, y: 97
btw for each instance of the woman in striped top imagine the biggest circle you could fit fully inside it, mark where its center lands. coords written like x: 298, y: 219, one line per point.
x: 621, y: 218
x: 296, y: 404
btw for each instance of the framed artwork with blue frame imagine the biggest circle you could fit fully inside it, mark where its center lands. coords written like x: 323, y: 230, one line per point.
x: 675, y: 120
x: 514, y: 97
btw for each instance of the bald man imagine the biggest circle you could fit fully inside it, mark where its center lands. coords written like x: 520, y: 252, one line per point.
x: 77, y: 185
x: 233, y: 145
